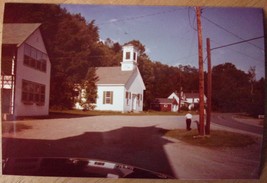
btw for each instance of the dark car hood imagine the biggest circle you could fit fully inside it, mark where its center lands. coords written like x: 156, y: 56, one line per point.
x: 75, y: 167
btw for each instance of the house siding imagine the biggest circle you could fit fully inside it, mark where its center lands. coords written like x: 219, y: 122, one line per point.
x: 175, y: 108
x: 24, y: 72
x: 136, y: 87
x: 121, y: 81
x: 162, y: 107
x: 118, y: 98
x: 166, y: 107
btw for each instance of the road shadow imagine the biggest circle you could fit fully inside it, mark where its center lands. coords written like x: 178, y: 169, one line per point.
x: 138, y: 146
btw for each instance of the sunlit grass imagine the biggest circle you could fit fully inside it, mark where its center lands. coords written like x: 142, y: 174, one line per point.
x: 99, y: 113
x: 217, y: 138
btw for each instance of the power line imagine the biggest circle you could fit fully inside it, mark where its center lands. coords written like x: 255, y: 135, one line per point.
x: 239, y: 42
x: 141, y: 16
x: 241, y: 53
x: 188, y: 14
x: 221, y: 27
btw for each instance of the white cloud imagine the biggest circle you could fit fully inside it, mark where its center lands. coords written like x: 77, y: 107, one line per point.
x: 113, y: 20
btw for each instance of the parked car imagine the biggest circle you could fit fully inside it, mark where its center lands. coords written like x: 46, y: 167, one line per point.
x: 75, y: 167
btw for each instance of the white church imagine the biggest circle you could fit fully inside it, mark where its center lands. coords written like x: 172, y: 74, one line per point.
x: 120, y: 88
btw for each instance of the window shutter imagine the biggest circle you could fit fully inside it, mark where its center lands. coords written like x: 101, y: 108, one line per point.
x: 111, y: 97
x: 104, y: 97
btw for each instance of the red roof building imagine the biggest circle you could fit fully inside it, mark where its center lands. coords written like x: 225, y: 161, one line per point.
x: 164, y: 104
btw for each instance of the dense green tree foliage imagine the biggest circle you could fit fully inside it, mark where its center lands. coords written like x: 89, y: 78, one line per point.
x: 232, y: 90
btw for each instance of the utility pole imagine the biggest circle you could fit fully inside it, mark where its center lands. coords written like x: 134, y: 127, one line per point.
x: 180, y: 94
x: 209, y: 91
x: 201, y: 73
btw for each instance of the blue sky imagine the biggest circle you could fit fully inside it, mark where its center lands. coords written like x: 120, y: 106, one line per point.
x: 169, y: 32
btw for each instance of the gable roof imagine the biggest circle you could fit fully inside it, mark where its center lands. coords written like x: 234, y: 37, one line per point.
x: 165, y: 101
x: 191, y: 95
x: 113, y: 75
x: 17, y: 33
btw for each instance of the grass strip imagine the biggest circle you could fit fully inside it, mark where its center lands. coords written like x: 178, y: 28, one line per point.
x: 217, y: 139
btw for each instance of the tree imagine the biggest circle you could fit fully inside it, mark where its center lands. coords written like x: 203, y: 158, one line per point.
x: 257, y: 106
x: 89, y: 85
x: 256, y: 93
x: 230, y: 89
x: 252, y: 78
x: 72, y: 49
x: 105, y: 54
x: 189, y: 78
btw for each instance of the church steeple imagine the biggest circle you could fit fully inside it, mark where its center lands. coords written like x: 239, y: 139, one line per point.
x: 129, y: 59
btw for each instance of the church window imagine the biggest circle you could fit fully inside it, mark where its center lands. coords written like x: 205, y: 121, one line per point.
x: 108, y: 97
x: 128, y: 55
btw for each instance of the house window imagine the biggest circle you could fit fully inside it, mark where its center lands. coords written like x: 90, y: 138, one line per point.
x: 139, y: 99
x: 128, y: 97
x: 34, y: 58
x: 134, y: 56
x: 33, y: 93
x: 128, y: 55
x: 108, y: 97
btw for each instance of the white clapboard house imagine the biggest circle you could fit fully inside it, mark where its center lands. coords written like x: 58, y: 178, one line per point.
x: 119, y: 88
x: 189, y: 100
x: 25, y: 71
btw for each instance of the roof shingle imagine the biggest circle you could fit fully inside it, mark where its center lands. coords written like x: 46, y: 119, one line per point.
x: 112, y: 75
x: 17, y: 33
x: 191, y: 95
x: 165, y: 101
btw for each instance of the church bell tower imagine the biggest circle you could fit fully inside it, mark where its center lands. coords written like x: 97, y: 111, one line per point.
x: 129, y: 58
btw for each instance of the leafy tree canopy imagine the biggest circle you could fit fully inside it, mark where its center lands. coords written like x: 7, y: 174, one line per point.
x: 231, y: 90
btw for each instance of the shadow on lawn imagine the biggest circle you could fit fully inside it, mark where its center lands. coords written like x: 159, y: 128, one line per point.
x: 141, y: 147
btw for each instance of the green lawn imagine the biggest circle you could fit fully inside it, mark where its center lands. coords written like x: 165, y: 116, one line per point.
x: 217, y: 139
x: 99, y: 113
x: 55, y: 114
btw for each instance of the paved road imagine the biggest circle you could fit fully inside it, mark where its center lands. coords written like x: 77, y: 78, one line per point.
x: 227, y: 119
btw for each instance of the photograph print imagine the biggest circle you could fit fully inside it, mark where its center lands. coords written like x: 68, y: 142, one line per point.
x: 118, y: 91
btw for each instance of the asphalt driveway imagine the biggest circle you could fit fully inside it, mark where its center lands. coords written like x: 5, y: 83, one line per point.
x: 134, y: 140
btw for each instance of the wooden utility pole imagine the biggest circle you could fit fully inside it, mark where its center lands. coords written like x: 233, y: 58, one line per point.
x: 180, y: 93
x: 209, y: 91
x: 201, y: 73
